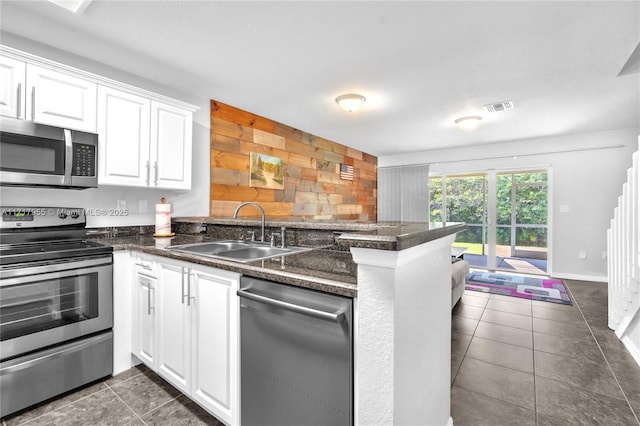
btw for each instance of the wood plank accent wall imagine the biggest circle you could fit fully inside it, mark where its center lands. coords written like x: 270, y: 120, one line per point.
x: 312, y: 185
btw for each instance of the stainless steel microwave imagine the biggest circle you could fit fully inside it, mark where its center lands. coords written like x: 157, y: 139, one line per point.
x: 33, y: 154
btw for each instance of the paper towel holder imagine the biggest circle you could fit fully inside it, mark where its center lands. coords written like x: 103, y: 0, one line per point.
x: 162, y: 224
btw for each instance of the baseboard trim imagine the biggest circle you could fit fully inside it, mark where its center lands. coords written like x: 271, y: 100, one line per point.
x: 579, y: 277
x: 632, y: 348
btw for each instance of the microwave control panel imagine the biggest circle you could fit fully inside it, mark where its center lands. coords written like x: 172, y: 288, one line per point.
x: 84, y: 160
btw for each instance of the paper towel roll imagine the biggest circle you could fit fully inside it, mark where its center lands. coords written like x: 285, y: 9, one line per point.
x: 163, y: 242
x: 163, y: 219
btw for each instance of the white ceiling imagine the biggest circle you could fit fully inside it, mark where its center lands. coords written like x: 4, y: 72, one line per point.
x: 421, y: 64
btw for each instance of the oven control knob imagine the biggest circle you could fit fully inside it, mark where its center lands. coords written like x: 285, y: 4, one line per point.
x: 62, y: 215
x: 75, y: 215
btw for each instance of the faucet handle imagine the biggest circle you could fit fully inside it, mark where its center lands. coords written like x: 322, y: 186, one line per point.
x: 273, y: 238
x: 252, y: 234
x: 283, y: 237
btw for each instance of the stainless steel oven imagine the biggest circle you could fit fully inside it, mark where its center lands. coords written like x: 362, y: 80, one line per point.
x: 56, y: 306
x: 33, y: 154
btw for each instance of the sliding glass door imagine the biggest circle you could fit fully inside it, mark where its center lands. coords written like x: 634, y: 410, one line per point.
x: 462, y: 198
x: 521, y: 221
x: 507, y: 215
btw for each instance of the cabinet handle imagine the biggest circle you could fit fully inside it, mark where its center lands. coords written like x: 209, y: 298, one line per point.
x: 148, y: 173
x: 155, y: 169
x: 188, y: 288
x: 19, y: 102
x: 33, y: 103
x: 147, y: 267
x: 182, y: 293
x: 149, y: 307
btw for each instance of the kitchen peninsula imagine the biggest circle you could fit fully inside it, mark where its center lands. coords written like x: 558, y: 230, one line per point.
x: 399, y: 278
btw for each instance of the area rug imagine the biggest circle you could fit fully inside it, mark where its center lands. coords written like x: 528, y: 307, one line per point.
x: 527, y: 287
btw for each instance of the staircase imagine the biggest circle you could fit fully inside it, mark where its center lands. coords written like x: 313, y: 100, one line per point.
x: 623, y: 241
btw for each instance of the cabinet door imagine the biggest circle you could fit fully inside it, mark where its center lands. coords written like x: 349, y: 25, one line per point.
x: 144, y: 334
x: 12, y: 87
x: 61, y: 100
x: 123, y: 129
x: 215, y: 342
x: 171, y: 133
x: 123, y: 309
x: 173, y: 331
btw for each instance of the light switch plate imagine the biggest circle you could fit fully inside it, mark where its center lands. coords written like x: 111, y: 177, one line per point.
x: 564, y: 208
x: 121, y: 205
x: 142, y: 206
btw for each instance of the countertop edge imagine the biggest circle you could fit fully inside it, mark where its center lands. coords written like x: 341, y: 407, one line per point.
x: 314, y: 283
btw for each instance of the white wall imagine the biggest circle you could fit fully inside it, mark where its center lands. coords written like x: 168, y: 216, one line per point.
x: 588, y: 171
x: 185, y: 203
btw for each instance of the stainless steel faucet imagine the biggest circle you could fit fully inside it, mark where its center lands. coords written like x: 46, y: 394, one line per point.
x: 251, y: 203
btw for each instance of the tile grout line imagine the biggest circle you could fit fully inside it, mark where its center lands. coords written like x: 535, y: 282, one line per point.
x: 62, y: 406
x: 136, y: 415
x: 464, y: 355
x: 139, y: 416
x: 533, y: 367
x: 495, y: 399
x: 603, y: 355
x: 72, y: 402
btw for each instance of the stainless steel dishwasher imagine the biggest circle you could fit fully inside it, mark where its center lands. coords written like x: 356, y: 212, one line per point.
x: 296, y: 350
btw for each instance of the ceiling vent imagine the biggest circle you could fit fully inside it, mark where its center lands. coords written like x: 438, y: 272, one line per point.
x: 499, y: 106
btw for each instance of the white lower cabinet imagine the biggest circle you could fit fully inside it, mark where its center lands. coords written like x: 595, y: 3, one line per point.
x: 144, y: 310
x: 187, y: 332
x: 174, y: 324
x: 214, y: 345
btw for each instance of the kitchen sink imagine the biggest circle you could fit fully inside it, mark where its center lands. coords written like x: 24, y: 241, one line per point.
x: 237, y: 250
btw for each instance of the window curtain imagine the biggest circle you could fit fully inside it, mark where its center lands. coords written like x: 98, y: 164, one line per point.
x: 403, y: 193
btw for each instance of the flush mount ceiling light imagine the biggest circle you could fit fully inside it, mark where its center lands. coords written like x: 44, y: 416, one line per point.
x: 75, y: 6
x: 469, y: 122
x: 350, y: 102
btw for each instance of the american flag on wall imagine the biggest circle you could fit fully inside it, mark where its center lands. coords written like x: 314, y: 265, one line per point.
x: 346, y: 172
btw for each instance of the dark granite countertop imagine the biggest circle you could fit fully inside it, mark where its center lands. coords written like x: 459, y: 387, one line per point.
x: 328, y: 269
x: 320, y: 269
x: 375, y: 235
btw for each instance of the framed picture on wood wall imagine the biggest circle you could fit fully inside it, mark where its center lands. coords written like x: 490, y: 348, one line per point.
x: 266, y: 171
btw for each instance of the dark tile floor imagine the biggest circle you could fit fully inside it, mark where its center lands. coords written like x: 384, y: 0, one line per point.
x: 521, y: 362
x: 513, y: 362
x: 136, y: 397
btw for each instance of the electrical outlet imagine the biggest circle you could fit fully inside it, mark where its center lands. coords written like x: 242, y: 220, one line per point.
x: 582, y: 255
x: 121, y: 205
x: 604, y: 255
x: 142, y: 206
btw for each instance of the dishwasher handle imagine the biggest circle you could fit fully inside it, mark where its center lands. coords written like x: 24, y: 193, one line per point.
x: 337, y: 317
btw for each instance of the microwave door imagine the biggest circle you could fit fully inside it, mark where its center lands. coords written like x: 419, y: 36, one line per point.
x: 30, y: 160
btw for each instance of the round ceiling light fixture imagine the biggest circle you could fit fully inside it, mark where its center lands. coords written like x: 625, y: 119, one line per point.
x: 469, y: 122
x: 350, y: 102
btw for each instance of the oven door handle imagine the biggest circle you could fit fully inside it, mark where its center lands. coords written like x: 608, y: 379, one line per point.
x: 56, y: 270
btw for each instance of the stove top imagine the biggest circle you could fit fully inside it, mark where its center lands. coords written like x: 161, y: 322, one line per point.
x: 35, y: 234
x: 50, y: 250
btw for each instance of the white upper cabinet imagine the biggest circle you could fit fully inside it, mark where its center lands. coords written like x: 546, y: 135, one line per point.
x: 123, y: 143
x: 144, y: 137
x: 143, y: 143
x: 60, y: 99
x: 171, y: 130
x: 12, y: 87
